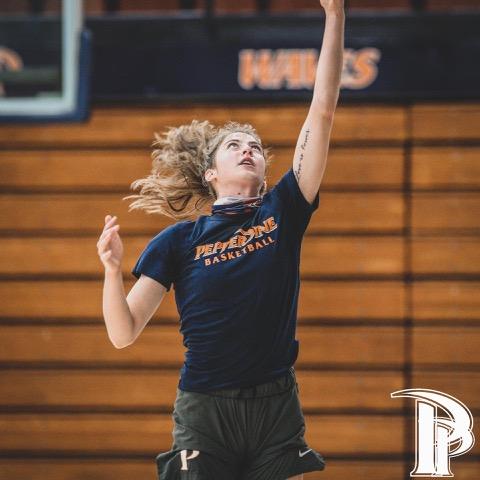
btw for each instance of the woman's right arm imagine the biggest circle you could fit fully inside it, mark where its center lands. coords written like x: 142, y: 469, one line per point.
x: 125, y: 317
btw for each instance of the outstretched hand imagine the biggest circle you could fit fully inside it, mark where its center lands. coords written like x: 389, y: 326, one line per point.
x: 332, y: 5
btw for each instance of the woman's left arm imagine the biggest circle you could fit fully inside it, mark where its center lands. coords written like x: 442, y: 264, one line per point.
x: 310, y: 159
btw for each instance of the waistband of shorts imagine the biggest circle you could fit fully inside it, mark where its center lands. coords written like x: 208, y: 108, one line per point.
x: 274, y: 387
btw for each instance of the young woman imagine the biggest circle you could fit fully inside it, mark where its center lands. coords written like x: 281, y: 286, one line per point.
x: 235, y: 273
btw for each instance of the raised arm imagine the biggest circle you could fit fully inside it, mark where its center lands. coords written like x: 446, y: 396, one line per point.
x: 310, y: 157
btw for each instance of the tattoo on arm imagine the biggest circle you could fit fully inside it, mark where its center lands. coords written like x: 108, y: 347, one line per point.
x: 302, y: 146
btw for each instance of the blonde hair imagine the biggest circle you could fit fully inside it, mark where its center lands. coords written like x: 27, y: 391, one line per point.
x: 176, y: 186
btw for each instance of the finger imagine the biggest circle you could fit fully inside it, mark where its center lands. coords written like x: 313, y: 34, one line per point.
x: 110, y: 221
x: 104, y: 242
x: 103, y: 248
x: 108, y: 230
x: 106, y: 255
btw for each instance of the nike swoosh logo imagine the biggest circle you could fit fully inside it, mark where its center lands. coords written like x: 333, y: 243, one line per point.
x: 301, y: 454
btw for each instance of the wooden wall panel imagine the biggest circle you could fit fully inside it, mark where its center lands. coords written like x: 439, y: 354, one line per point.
x: 454, y: 346
x: 360, y: 167
x: 73, y: 170
x: 379, y: 5
x: 44, y: 300
x: 454, y: 168
x: 78, y: 256
x: 448, y: 255
x: 447, y: 301
x: 365, y: 469
x: 154, y: 390
x: 445, y: 121
x: 446, y: 212
x: 295, y: 5
x: 41, y: 301
x: 358, y: 346
x: 102, y: 170
x: 162, y: 345
x: 465, y: 384
x: 128, y: 468
x: 358, y: 213
x: 148, y: 434
x: 352, y: 301
x: 82, y: 214
x: 121, y: 127
x: 389, y: 296
x: 352, y: 256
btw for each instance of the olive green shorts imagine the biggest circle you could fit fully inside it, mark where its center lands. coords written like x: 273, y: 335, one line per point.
x: 253, y: 433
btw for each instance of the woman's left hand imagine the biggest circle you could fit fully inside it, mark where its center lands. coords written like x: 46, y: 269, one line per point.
x: 332, y: 5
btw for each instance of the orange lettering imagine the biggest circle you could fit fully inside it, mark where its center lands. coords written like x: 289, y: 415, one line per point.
x: 246, y: 69
x: 200, y: 250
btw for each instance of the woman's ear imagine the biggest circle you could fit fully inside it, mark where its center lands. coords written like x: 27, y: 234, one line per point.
x: 209, y: 174
x: 263, y: 190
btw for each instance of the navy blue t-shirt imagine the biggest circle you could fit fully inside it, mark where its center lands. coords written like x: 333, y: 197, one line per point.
x: 236, y: 281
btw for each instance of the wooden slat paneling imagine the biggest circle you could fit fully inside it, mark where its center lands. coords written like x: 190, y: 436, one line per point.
x: 379, y: 5
x: 363, y: 167
x: 446, y: 167
x: 446, y: 300
x: 86, y: 389
x: 361, y: 469
x: 126, y: 469
x: 352, y: 255
x: 465, y: 385
x: 454, y: 346
x: 47, y: 299
x: 225, y: 6
x: 446, y: 212
x: 77, y: 256
x: 79, y: 169
x: 446, y: 255
x: 295, y: 5
x: 148, y: 434
x: 135, y: 126
x: 343, y: 301
x: 107, y: 169
x: 359, y: 212
x: 162, y: 344
x: 445, y: 121
x: 336, y: 345
x: 72, y: 469
x: 352, y: 300
x: 85, y: 213
x: 351, y: 356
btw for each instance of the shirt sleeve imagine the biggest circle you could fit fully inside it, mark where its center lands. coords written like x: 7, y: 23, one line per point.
x: 298, y: 209
x: 158, y: 259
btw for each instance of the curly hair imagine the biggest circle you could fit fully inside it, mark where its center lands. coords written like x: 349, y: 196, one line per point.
x: 176, y: 186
